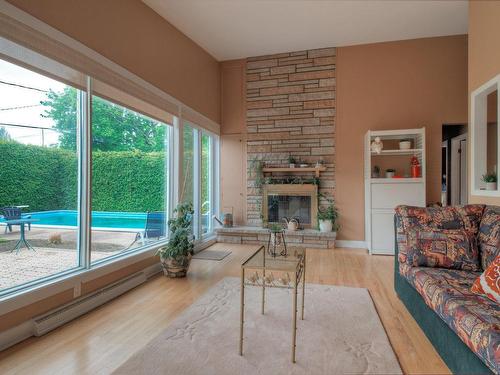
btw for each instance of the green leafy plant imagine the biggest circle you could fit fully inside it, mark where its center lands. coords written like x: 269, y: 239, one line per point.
x: 490, y: 177
x: 291, y: 160
x: 181, y: 239
x: 256, y: 168
x: 275, y: 228
x: 330, y: 212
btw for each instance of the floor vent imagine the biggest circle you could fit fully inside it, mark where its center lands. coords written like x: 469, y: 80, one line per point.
x: 52, y: 320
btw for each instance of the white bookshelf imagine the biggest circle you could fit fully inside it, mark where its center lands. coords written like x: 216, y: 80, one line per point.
x: 382, y: 194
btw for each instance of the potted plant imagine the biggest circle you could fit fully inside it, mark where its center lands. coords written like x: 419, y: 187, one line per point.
x: 327, y: 217
x: 176, y: 255
x: 405, y: 144
x: 291, y: 161
x: 491, y: 181
x: 389, y: 173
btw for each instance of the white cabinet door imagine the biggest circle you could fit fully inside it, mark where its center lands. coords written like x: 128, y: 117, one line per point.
x: 388, y: 196
x: 383, y: 232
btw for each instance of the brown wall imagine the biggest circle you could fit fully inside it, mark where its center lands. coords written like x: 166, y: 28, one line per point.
x: 132, y: 35
x: 484, y: 54
x: 395, y: 85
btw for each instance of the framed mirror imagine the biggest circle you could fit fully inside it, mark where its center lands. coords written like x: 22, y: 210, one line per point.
x: 485, y: 139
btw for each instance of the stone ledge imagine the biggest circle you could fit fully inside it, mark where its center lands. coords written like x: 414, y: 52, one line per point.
x: 310, y: 238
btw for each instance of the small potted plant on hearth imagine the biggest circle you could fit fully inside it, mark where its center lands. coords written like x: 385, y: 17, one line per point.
x: 291, y: 161
x: 327, y: 217
x: 491, y: 181
x: 176, y: 255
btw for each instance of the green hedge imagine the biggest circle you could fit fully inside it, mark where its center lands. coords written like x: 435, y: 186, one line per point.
x: 46, y: 179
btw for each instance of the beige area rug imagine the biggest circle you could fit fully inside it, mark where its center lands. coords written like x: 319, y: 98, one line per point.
x: 341, y: 334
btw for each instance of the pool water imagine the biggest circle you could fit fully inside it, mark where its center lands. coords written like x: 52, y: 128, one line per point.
x: 100, y: 219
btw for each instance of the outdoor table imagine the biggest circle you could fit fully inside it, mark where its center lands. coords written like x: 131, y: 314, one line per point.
x: 22, y: 240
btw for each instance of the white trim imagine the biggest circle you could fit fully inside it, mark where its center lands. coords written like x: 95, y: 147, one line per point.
x: 16, y: 334
x: 34, y: 23
x: 476, y: 116
x: 351, y: 244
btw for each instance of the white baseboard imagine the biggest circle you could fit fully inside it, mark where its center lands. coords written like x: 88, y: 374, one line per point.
x: 351, y: 244
x: 16, y: 334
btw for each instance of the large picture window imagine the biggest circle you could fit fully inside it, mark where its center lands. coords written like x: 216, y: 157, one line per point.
x: 85, y: 172
x: 39, y: 176
x: 129, y: 179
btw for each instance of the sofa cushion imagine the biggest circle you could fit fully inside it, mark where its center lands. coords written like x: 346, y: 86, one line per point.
x: 431, y: 218
x: 488, y: 284
x: 489, y: 236
x: 446, y: 248
x: 474, y: 318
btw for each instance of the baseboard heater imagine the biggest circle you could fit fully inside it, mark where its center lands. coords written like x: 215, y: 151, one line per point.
x: 72, y: 310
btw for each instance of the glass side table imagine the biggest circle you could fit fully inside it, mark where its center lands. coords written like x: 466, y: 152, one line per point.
x: 267, y: 271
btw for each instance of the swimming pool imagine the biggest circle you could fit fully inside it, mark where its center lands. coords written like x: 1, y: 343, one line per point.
x: 100, y: 219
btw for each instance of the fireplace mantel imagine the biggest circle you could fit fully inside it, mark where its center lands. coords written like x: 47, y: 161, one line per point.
x: 301, y: 190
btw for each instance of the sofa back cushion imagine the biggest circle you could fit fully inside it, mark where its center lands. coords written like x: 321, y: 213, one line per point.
x: 434, y: 218
x: 489, y: 236
x: 445, y: 248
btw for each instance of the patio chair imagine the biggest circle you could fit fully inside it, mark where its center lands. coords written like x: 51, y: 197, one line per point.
x: 13, y: 213
x: 155, y: 228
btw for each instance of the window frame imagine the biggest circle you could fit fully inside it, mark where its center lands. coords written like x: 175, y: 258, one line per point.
x: 478, y: 134
x: 22, y: 294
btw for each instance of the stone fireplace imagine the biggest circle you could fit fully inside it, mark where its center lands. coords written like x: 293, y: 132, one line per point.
x: 298, y: 201
x: 291, y: 102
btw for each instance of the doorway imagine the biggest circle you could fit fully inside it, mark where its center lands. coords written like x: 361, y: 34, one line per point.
x: 454, y: 165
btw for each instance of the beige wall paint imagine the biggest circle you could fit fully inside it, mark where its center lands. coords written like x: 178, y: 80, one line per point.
x: 132, y: 35
x: 395, y: 85
x: 484, y: 55
x: 233, y: 140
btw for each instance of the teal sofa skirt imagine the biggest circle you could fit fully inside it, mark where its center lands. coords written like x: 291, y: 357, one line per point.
x: 457, y: 356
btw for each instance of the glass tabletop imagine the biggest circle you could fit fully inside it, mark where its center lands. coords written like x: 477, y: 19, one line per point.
x: 262, y: 260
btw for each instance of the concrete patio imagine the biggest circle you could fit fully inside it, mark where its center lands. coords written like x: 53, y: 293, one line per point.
x: 17, y: 268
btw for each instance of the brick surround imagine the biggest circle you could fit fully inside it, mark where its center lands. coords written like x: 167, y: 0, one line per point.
x: 290, y: 102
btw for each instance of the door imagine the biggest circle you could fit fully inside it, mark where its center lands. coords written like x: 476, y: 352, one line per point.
x: 458, y: 170
x: 233, y: 177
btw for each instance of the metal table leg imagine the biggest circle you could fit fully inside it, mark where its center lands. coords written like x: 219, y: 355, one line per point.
x: 242, y: 308
x: 303, y: 284
x: 294, y: 318
x: 22, y: 241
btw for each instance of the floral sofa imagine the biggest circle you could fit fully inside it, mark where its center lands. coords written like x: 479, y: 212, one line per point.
x: 440, y: 252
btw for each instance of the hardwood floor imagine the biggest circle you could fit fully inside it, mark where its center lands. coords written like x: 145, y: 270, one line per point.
x: 103, y: 339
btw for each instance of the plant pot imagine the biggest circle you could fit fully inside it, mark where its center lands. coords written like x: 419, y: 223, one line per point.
x: 325, y: 226
x: 389, y: 174
x: 292, y: 165
x: 491, y: 186
x: 176, y: 267
x: 404, y: 145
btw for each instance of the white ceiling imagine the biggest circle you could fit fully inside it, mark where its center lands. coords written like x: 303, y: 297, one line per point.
x: 231, y: 29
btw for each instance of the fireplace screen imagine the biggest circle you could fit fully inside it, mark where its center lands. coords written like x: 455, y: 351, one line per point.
x: 290, y: 206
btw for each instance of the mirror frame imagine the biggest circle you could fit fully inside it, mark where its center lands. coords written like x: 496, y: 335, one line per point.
x: 478, y: 134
